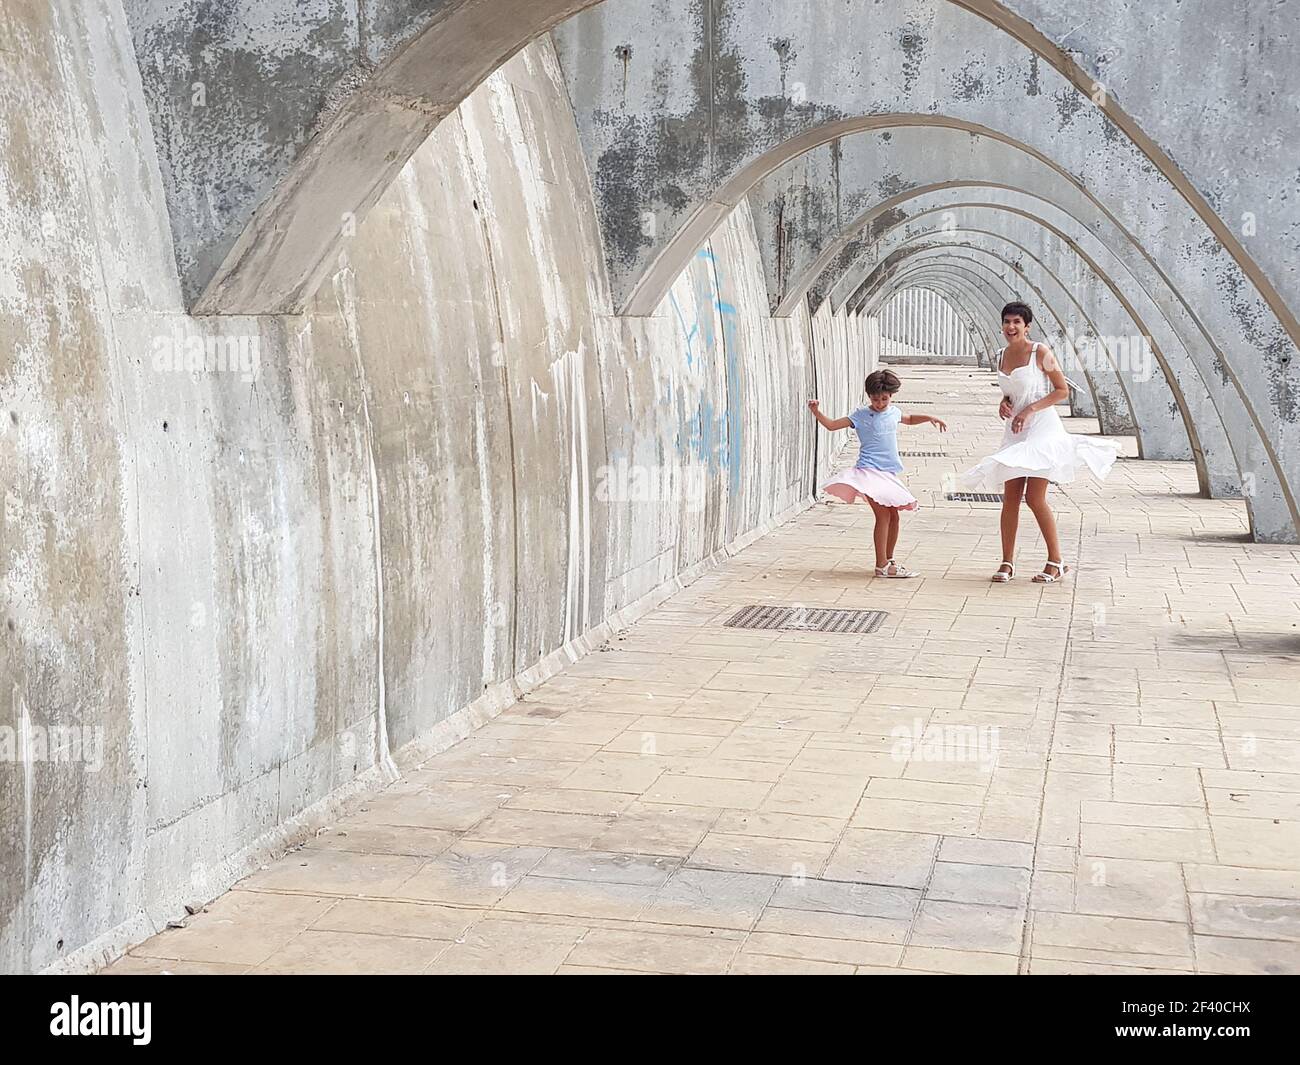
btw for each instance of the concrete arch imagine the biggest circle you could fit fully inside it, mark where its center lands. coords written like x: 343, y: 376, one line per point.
x: 854, y: 173
x: 1200, y: 420
x: 389, y: 74
x: 857, y: 179
x: 651, y: 132
x: 963, y: 292
x: 880, y: 285
x: 971, y: 284
x: 969, y: 287
x: 1107, y: 41
x: 941, y: 296
x: 971, y: 278
x: 333, y: 101
x: 621, y: 119
x: 846, y: 252
x: 1120, y: 412
x: 1208, y: 404
x: 382, y: 74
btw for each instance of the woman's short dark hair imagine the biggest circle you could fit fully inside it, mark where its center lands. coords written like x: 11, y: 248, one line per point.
x: 1020, y: 310
x: 883, y: 381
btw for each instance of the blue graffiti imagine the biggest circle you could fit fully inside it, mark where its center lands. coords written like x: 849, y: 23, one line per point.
x: 711, y: 436
x: 688, y: 335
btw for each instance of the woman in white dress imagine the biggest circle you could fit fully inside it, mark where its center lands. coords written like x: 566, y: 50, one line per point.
x: 1036, y: 448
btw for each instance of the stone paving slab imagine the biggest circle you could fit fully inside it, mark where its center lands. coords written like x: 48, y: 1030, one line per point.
x: 1097, y: 776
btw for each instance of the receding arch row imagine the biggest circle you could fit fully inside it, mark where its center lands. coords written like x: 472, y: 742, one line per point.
x: 974, y: 326
x: 966, y: 292
x: 967, y: 298
x: 1111, y: 401
x: 1040, y: 42
x: 1089, y: 152
x: 1273, y: 508
x: 380, y: 82
x: 1217, y: 467
x: 1086, y: 215
x: 1128, y: 408
x: 904, y: 265
x: 1160, y: 222
x: 1245, y: 450
x: 960, y: 307
x: 657, y: 152
x: 941, y: 155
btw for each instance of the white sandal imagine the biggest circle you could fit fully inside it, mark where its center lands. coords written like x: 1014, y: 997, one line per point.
x: 1003, y: 578
x: 899, y: 572
x: 1051, y: 578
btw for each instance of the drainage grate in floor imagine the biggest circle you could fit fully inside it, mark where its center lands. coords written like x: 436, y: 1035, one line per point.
x: 806, y: 619
x: 924, y: 454
x: 974, y: 497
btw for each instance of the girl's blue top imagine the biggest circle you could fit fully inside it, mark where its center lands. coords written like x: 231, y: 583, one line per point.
x: 878, y: 435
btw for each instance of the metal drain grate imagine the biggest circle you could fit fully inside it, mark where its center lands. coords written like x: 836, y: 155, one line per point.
x: 806, y: 619
x: 974, y: 497
x: 923, y: 454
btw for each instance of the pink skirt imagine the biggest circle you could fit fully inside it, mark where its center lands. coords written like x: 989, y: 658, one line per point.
x: 853, y: 485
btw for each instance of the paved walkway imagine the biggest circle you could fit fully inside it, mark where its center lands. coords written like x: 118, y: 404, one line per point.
x: 1100, y: 776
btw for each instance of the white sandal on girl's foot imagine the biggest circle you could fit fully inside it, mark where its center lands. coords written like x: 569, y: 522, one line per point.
x: 899, y: 573
x: 1051, y: 578
x: 1003, y: 578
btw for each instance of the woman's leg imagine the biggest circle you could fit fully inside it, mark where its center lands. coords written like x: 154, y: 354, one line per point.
x: 1036, y: 497
x: 881, y: 533
x: 1012, y: 493
x: 893, y: 530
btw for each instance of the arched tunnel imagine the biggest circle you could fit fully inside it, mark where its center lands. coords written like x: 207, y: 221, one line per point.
x: 387, y: 382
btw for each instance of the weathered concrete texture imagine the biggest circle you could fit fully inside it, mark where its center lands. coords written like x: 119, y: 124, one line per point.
x: 326, y: 79
x: 371, y: 525
x: 258, y: 561
x: 282, y: 122
x: 333, y: 98
x: 681, y: 115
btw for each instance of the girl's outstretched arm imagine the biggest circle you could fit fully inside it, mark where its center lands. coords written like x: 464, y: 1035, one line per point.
x: 828, y: 423
x: 922, y: 419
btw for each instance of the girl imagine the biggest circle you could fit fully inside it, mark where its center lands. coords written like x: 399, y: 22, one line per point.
x: 875, y: 477
x: 1036, y: 448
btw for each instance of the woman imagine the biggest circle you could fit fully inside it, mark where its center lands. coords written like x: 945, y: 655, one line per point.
x: 1036, y: 448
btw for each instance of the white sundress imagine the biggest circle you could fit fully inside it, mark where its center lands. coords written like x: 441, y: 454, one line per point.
x: 1044, y: 448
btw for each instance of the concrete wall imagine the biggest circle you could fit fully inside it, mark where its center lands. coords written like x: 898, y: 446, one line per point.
x: 390, y: 515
